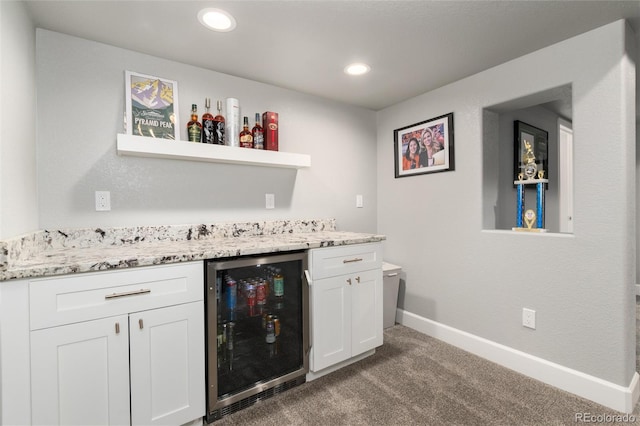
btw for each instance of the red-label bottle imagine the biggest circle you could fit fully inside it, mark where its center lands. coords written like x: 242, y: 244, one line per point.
x: 258, y: 134
x: 246, y: 140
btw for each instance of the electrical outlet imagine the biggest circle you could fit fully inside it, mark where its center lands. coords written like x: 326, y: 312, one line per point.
x: 359, y: 201
x: 529, y: 318
x: 103, y: 201
x: 270, y: 201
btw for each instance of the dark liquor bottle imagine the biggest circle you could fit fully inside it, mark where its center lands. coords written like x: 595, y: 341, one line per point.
x: 258, y: 134
x: 246, y: 140
x: 194, y: 127
x: 208, y: 124
x: 219, y: 125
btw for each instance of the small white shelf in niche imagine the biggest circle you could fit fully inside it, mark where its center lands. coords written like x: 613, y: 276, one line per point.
x: 141, y: 146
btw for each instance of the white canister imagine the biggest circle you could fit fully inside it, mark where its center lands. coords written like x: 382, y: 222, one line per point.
x: 232, y: 132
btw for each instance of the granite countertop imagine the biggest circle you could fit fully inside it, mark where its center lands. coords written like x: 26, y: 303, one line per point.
x: 57, y: 252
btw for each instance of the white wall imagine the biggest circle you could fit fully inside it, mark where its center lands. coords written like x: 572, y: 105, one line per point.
x: 80, y: 87
x: 18, y: 204
x: 476, y: 281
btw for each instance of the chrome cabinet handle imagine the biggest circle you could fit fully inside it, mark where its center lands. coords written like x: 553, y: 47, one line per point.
x: 127, y: 293
x: 357, y: 259
x: 358, y: 279
x: 140, y: 323
x: 117, y: 328
x: 349, y: 281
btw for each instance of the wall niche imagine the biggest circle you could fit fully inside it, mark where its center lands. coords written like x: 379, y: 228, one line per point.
x: 544, y: 110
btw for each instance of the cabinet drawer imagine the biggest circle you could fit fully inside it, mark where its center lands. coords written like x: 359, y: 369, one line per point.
x: 333, y: 261
x: 82, y: 297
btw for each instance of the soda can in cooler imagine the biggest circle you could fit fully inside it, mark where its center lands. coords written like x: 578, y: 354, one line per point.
x: 251, y: 295
x: 232, y: 294
x: 261, y: 293
x: 271, y: 333
x: 230, y: 335
x: 276, y: 323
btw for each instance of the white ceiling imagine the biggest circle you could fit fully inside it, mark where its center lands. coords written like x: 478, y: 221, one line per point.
x: 411, y: 46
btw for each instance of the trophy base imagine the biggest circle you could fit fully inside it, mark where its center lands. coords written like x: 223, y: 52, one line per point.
x: 529, y: 229
x: 530, y: 181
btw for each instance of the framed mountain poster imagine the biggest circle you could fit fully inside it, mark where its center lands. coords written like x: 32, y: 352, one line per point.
x: 151, y: 106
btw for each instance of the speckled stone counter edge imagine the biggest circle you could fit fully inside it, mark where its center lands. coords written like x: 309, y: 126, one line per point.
x: 64, y: 251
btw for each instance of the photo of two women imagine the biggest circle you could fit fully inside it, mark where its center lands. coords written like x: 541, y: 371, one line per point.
x: 423, y: 147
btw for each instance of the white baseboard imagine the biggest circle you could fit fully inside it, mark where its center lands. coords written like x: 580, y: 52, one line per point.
x: 616, y: 397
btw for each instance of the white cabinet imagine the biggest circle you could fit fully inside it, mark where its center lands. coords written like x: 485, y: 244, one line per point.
x: 119, y: 347
x: 346, y: 303
x: 167, y: 351
x: 80, y: 373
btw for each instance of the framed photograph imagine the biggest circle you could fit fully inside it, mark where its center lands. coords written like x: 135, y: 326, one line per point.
x: 425, y: 147
x: 530, y: 145
x: 151, y: 106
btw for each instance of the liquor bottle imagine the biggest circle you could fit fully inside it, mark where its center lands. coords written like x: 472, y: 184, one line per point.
x: 246, y: 140
x: 208, y: 124
x: 218, y: 136
x: 194, y: 127
x: 258, y: 134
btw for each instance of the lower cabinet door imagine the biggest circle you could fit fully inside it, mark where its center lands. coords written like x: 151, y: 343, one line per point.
x: 80, y: 373
x: 330, y: 321
x: 167, y: 365
x: 366, y: 311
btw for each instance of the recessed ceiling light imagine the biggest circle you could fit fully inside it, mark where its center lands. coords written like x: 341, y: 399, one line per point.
x: 357, y: 69
x: 216, y: 19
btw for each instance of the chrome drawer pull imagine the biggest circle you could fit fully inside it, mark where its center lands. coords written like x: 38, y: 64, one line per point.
x: 140, y: 323
x: 128, y: 293
x: 117, y: 328
x: 357, y: 259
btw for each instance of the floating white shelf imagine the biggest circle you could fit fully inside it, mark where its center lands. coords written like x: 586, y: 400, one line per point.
x: 141, y: 146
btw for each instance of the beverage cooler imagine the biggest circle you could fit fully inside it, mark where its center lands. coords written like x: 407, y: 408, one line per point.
x: 257, y: 329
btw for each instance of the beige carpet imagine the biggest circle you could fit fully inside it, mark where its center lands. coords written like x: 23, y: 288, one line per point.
x: 414, y: 379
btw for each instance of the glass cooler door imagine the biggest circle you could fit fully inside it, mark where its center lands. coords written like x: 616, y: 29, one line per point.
x: 257, y: 321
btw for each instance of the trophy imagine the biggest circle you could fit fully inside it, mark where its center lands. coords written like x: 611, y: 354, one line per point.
x: 530, y: 176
